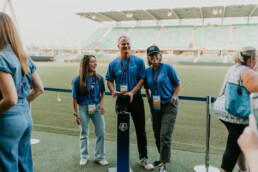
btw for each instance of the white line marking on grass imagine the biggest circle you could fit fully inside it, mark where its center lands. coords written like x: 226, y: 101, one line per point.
x: 189, y: 82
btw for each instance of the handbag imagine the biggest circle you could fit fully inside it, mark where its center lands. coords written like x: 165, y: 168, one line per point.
x: 237, y: 100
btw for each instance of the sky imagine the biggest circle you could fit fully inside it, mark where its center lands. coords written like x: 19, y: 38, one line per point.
x: 54, y: 22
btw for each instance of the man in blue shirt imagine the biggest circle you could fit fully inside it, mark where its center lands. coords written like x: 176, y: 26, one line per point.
x: 128, y: 71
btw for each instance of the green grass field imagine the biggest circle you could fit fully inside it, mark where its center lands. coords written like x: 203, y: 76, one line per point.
x: 189, y: 134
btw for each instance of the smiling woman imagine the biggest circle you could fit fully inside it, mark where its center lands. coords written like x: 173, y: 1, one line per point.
x: 164, y: 85
x: 88, y: 91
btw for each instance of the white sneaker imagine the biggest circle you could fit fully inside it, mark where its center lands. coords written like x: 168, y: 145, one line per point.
x: 101, y: 162
x: 146, y: 164
x: 83, y: 161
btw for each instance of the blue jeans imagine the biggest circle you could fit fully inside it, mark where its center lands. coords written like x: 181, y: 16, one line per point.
x: 98, y: 121
x: 15, y: 134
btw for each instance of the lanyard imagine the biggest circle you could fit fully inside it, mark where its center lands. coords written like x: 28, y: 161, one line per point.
x: 91, y: 87
x: 124, y: 70
x: 156, y: 78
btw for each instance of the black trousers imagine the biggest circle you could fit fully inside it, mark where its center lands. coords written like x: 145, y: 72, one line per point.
x: 136, y: 108
x: 232, y: 151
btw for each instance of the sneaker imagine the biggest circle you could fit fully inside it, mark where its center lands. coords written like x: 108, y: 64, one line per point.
x: 157, y: 162
x: 83, y: 161
x: 101, y: 162
x: 146, y: 164
x: 162, y: 169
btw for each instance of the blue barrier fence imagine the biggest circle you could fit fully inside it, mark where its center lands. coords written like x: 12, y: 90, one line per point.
x: 203, y: 99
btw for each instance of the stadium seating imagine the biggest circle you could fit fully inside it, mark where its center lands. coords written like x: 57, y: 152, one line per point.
x: 143, y: 37
x: 215, y: 37
x: 175, y: 37
x: 110, y: 41
x: 246, y: 35
x: 94, y: 38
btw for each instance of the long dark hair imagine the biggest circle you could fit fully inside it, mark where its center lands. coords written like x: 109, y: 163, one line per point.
x: 84, y: 73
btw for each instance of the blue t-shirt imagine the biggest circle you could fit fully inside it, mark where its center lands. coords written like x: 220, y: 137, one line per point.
x: 9, y: 63
x: 135, y: 72
x: 166, y: 81
x: 99, y: 87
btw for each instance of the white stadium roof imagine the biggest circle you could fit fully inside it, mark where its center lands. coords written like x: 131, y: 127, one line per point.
x: 250, y: 10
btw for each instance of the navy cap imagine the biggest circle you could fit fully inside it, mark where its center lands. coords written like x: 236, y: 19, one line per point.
x: 153, y: 49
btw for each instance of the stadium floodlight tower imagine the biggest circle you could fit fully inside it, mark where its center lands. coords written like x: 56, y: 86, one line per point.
x: 207, y: 167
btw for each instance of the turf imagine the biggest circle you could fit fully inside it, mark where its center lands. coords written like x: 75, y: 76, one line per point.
x: 189, y: 134
x: 59, y: 152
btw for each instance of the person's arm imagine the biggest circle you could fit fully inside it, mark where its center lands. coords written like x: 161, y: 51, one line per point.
x: 37, y: 87
x: 250, y: 80
x: 75, y: 109
x: 101, y: 107
x: 135, y: 89
x: 176, y: 92
x: 111, y: 88
x: 248, y: 142
x: 8, y: 91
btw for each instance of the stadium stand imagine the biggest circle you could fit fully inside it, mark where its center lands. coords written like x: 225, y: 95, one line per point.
x: 214, y: 37
x: 246, y: 34
x: 110, y: 41
x: 142, y: 37
x: 94, y: 38
x: 180, y: 42
x: 175, y: 37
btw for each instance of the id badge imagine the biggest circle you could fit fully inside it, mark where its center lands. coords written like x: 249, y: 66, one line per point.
x: 123, y: 88
x: 156, y: 103
x: 91, y: 109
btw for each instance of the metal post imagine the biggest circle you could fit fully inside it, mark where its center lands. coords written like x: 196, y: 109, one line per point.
x: 207, y: 167
x: 123, y: 143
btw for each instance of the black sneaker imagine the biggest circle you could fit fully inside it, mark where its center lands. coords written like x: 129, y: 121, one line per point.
x: 162, y: 169
x: 157, y: 162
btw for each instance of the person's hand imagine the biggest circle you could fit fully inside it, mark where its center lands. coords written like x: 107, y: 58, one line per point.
x: 78, y: 119
x: 101, y: 108
x: 115, y: 93
x: 248, y: 141
x: 173, y: 101
x: 130, y: 94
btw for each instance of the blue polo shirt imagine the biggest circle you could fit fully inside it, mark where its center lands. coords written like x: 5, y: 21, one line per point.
x: 166, y: 81
x: 99, y: 87
x: 135, y: 72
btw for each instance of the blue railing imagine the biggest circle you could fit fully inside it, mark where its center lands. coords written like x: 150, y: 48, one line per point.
x: 203, y: 99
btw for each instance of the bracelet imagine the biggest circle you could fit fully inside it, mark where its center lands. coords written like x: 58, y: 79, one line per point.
x: 75, y: 114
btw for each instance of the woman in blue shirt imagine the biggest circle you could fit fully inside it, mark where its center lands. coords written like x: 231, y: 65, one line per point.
x: 19, y: 85
x: 88, y: 91
x: 162, y: 86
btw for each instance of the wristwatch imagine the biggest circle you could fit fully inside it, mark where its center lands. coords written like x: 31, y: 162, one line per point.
x: 175, y: 98
x: 75, y: 114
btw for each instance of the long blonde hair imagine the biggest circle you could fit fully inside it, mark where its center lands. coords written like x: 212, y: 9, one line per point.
x: 10, y: 35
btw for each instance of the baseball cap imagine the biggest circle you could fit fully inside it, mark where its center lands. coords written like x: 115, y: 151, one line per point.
x: 153, y: 49
x: 248, y: 51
